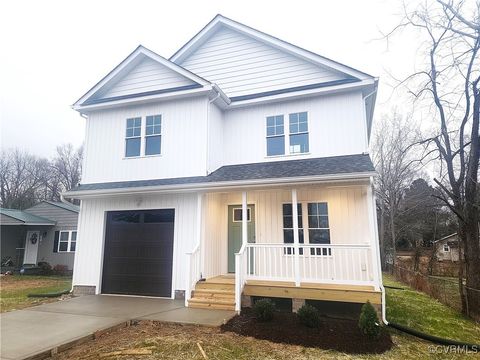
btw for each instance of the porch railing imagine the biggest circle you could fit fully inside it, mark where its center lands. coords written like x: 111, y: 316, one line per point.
x: 193, y: 272
x: 339, y: 264
x: 241, y: 271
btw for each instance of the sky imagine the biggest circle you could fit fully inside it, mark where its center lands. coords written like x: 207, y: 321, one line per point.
x: 55, y: 51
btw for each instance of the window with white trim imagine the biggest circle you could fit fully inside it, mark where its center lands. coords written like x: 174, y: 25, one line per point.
x: 446, y: 248
x: 133, y: 136
x: 238, y: 215
x: 318, y: 226
x: 153, y: 137
x: 288, y: 226
x: 298, y: 132
x: 275, y: 135
x: 67, y: 241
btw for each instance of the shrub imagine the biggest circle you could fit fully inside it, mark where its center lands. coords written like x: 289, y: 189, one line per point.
x: 45, y: 268
x: 368, y: 322
x: 264, y: 309
x: 309, y: 316
x: 60, y: 269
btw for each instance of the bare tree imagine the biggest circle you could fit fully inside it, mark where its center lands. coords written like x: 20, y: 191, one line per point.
x: 392, y: 156
x: 449, y: 86
x: 67, y: 169
x: 21, y: 177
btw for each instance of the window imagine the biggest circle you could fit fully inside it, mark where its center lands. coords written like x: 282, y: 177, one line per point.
x: 67, y: 241
x: 446, y: 248
x: 238, y: 214
x: 318, y: 226
x: 288, y: 226
x: 298, y: 130
x: 133, y: 137
x: 275, y: 135
x: 153, y: 137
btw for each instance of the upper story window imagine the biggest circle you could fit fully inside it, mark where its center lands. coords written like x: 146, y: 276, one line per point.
x: 446, y: 248
x: 298, y: 128
x: 297, y: 140
x: 153, y: 138
x: 133, y: 137
x: 275, y: 135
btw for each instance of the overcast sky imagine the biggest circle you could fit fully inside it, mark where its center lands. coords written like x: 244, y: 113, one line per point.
x: 54, y: 51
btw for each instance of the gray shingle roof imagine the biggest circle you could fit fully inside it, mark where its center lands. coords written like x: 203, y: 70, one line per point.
x: 25, y: 217
x: 65, y: 206
x: 267, y: 170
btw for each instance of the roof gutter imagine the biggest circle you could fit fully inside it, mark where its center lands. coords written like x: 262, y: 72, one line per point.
x: 218, y: 186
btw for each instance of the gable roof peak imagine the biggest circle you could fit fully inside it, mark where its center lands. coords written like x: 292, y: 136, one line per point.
x: 220, y: 20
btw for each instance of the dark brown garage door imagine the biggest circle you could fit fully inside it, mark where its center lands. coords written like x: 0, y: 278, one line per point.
x: 138, y: 253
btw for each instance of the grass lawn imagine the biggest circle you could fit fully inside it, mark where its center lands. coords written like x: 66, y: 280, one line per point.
x: 421, y: 312
x: 15, y: 288
x: 171, y: 341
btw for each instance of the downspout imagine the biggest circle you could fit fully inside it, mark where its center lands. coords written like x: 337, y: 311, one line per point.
x: 367, y: 137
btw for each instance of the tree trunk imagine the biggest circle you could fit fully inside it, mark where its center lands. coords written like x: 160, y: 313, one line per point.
x: 394, y: 240
x: 382, y: 235
x: 472, y: 264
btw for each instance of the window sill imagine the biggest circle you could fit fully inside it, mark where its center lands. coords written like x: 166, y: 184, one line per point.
x: 141, y: 157
x: 286, y: 155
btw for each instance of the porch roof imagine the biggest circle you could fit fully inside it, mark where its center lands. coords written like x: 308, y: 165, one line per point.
x: 24, y: 218
x: 353, y: 165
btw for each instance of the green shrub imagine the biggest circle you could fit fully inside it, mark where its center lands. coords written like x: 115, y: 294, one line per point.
x: 309, y: 316
x: 368, y: 322
x: 264, y: 309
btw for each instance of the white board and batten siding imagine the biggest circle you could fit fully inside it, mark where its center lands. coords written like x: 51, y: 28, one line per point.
x: 91, y: 228
x: 347, y: 210
x: 144, y: 76
x: 183, y: 149
x: 335, y: 124
x: 242, y: 65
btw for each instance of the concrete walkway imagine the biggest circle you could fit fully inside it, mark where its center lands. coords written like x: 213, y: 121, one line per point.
x: 48, y: 328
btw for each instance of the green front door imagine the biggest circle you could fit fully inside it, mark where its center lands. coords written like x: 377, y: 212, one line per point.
x: 235, y: 231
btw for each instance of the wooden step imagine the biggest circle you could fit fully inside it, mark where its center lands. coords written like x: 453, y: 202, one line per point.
x: 214, y: 286
x: 213, y: 294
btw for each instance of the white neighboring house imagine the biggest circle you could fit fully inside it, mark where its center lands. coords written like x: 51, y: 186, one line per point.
x: 446, y: 248
x: 242, y: 160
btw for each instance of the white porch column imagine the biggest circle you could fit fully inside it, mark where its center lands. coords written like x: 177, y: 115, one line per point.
x: 244, y: 219
x: 374, y: 243
x: 198, y: 228
x: 295, y: 237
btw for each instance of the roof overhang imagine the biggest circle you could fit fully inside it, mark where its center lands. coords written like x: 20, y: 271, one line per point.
x: 223, y: 185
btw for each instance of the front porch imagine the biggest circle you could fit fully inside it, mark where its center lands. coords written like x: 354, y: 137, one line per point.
x: 315, y: 242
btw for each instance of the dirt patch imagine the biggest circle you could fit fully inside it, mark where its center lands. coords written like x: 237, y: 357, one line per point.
x: 333, y: 334
x: 12, y: 282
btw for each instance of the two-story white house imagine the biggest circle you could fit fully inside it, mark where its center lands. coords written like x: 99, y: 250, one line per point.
x: 237, y: 168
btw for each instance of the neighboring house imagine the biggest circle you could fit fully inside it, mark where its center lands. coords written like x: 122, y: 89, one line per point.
x: 242, y: 160
x: 45, y: 232
x: 446, y: 248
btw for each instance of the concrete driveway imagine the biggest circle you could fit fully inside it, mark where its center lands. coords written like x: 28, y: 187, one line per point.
x: 53, y: 327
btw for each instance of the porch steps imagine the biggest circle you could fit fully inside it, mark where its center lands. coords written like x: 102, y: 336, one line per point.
x: 214, y: 293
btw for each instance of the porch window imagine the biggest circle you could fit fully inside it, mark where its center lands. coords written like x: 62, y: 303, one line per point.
x: 238, y: 214
x: 153, y: 136
x: 275, y: 135
x: 67, y: 241
x: 288, y: 226
x: 298, y: 130
x: 133, y: 137
x: 318, y: 227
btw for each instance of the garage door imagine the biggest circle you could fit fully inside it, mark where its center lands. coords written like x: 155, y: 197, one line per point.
x: 138, y: 255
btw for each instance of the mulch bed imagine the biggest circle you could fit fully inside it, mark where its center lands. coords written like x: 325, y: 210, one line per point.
x: 333, y: 334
